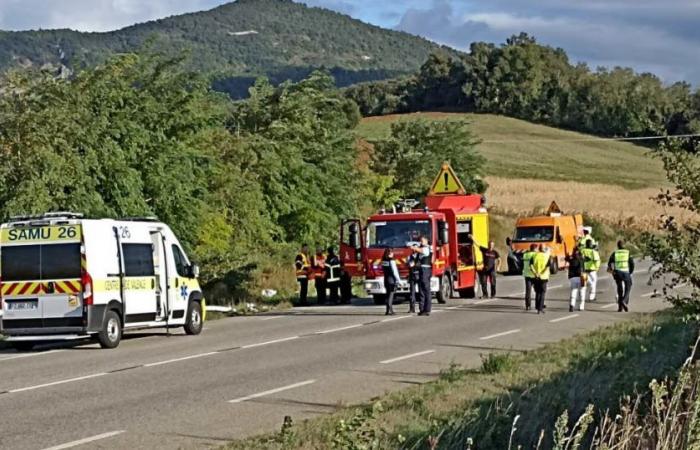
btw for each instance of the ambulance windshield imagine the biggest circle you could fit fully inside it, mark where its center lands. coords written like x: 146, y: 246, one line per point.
x: 398, y: 234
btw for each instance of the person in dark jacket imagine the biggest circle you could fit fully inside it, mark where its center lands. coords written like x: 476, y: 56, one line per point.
x: 333, y: 275
x: 414, y: 283
x: 621, y: 265
x: 576, y: 279
x: 391, y: 279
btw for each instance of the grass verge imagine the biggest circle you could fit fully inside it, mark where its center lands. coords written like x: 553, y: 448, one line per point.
x: 479, y: 406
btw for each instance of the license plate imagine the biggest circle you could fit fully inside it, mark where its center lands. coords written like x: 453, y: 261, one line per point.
x: 22, y: 306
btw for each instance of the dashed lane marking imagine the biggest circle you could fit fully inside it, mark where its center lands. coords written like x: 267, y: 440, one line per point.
x: 505, y: 333
x: 334, y: 330
x: 56, y: 383
x: 29, y: 355
x: 391, y: 319
x: 184, y: 358
x: 275, y: 341
x: 561, y: 319
x: 86, y: 440
x: 401, y: 358
x: 272, y: 391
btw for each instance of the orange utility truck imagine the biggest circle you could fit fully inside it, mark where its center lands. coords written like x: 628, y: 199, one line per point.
x: 555, y: 230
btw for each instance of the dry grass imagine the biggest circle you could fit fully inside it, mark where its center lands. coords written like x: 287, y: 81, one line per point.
x: 627, y: 209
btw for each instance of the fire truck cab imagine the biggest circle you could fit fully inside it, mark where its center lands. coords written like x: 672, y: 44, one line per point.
x: 449, y: 220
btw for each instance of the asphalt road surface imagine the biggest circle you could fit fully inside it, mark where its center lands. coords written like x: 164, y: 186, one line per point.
x: 243, y: 375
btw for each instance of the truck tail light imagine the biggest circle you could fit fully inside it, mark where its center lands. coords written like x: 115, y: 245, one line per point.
x: 86, y: 281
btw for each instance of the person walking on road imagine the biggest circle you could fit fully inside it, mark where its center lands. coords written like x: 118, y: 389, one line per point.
x: 333, y: 275
x: 591, y: 265
x: 577, y: 280
x: 528, y: 258
x: 391, y: 279
x: 540, y: 269
x: 303, y: 270
x: 586, y: 238
x: 491, y: 265
x: 425, y: 259
x: 621, y: 265
x: 319, y: 271
x: 414, y: 283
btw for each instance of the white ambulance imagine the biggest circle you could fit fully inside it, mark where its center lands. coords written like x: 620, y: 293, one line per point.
x: 65, y: 277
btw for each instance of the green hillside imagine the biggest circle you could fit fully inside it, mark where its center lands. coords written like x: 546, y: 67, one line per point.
x: 245, y: 38
x: 518, y: 149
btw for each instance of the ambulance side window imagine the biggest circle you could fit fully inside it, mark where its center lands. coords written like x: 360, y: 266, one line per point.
x: 138, y: 260
x: 180, y: 261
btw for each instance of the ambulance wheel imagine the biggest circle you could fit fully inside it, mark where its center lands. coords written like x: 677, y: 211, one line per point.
x: 23, y: 346
x: 444, y: 293
x: 467, y: 293
x: 379, y: 299
x: 111, y: 333
x: 194, y: 323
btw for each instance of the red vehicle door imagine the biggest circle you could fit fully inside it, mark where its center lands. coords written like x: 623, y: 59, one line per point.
x: 351, y: 247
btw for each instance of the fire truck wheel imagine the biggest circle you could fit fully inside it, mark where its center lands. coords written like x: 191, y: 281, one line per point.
x: 379, y: 299
x: 111, y: 333
x: 467, y: 293
x: 444, y: 293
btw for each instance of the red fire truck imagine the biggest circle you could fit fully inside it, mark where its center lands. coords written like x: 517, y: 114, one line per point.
x: 448, y: 219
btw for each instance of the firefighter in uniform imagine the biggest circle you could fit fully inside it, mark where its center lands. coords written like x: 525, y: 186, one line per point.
x: 333, y: 274
x: 303, y: 269
x: 591, y: 265
x: 319, y: 271
x: 425, y: 259
x: 621, y: 265
x: 529, y: 276
x: 414, y: 282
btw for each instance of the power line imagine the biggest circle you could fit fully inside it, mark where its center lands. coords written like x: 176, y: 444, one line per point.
x: 591, y: 139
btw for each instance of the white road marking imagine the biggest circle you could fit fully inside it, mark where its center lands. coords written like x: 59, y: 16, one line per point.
x: 401, y: 358
x: 56, y: 383
x: 333, y: 330
x: 272, y: 391
x: 505, y: 333
x: 184, y: 358
x: 454, y: 307
x: 260, y: 344
x: 611, y: 305
x: 29, y: 355
x: 561, y: 319
x: 391, y: 319
x: 485, y: 301
x: 86, y: 440
x: 556, y: 286
x: 272, y: 318
x: 649, y: 294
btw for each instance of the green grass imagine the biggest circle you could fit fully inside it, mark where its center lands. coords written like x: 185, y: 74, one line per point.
x: 598, y: 367
x: 607, y: 162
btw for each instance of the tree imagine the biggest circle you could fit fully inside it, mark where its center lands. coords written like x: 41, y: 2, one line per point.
x: 412, y: 155
x: 676, y: 248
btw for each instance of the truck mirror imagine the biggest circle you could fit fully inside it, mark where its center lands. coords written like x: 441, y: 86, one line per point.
x: 443, y: 233
x: 354, y: 239
x: 193, y: 271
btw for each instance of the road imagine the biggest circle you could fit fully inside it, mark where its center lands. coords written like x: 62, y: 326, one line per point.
x: 243, y: 375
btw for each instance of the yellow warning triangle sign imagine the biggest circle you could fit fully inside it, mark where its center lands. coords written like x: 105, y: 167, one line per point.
x: 447, y: 183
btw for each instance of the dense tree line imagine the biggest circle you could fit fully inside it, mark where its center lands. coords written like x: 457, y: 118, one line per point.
x: 524, y: 79
x: 241, y: 183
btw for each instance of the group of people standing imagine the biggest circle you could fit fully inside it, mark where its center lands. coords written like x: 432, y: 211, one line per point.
x: 420, y: 268
x: 584, y: 262
x: 326, y: 271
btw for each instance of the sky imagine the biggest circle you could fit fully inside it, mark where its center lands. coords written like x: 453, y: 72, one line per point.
x: 659, y: 36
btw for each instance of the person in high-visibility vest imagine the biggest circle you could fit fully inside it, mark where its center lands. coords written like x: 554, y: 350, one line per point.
x: 528, y: 258
x: 540, y: 269
x: 319, y: 271
x: 591, y: 265
x: 621, y: 265
x: 302, y: 265
x: 586, y: 238
x: 333, y: 275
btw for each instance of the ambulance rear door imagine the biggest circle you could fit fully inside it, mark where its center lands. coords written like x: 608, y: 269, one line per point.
x: 40, y: 269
